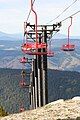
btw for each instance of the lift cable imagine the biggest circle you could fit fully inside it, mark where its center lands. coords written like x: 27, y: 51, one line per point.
x: 66, y: 19
x: 70, y: 16
x: 30, y: 11
x: 63, y: 11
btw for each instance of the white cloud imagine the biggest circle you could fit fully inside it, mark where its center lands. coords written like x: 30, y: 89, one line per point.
x: 10, y: 49
x: 1, y: 45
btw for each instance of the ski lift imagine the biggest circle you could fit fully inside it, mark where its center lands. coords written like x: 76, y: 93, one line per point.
x: 22, y: 109
x: 23, y: 73
x: 32, y: 46
x: 68, y: 46
x: 22, y: 83
x: 50, y: 54
x: 23, y: 60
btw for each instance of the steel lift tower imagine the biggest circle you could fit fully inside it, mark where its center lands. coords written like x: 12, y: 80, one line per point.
x: 38, y: 48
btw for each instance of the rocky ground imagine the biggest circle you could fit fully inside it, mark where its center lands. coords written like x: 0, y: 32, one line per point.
x: 57, y: 110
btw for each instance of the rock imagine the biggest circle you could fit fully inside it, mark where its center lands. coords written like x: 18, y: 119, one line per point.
x: 57, y: 110
x: 76, y: 98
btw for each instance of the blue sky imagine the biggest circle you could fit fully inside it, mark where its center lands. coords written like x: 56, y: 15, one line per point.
x: 14, y: 12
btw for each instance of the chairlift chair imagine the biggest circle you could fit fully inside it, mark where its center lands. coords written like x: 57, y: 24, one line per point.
x: 23, y: 60
x: 68, y: 46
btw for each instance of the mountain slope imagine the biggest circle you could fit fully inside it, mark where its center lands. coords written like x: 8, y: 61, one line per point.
x: 11, y: 37
x: 63, y: 60
x: 61, y: 85
x: 69, y: 61
x: 11, y: 51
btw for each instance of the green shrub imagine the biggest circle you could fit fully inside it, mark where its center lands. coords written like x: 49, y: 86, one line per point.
x: 78, y: 118
x: 2, y: 112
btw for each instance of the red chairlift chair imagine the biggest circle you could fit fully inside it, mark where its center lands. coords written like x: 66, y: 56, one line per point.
x: 21, y: 109
x: 68, y: 46
x: 32, y: 46
x: 50, y: 54
x: 23, y: 60
x: 22, y: 83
